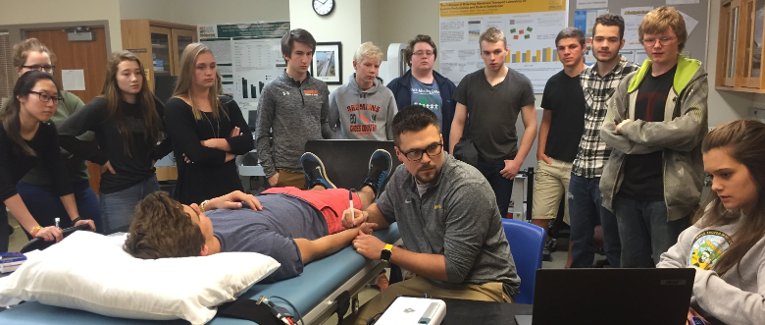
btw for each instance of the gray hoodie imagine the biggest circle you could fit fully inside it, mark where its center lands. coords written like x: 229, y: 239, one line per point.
x: 738, y: 296
x: 362, y: 114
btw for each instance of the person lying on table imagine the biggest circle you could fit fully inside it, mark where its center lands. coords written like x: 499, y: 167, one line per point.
x: 291, y: 225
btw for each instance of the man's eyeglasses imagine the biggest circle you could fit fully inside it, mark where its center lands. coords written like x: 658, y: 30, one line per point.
x: 45, y: 98
x: 424, y: 53
x: 46, y: 67
x: 416, y: 154
x: 664, y: 40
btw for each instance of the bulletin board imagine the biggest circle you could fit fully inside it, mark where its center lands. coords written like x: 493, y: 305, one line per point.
x: 582, y: 14
x: 530, y: 27
x: 248, y: 56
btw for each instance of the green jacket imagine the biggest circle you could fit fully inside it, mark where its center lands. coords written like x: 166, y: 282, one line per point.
x: 678, y: 136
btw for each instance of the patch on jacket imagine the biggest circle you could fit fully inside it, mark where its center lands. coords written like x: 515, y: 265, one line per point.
x: 707, y: 248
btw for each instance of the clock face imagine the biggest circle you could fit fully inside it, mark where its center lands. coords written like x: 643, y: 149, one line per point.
x: 323, y: 7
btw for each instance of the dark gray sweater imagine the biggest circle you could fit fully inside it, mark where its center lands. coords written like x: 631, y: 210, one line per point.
x: 457, y: 217
x: 289, y: 114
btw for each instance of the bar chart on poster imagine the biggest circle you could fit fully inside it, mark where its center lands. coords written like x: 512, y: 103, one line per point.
x: 529, y: 26
x: 248, y: 57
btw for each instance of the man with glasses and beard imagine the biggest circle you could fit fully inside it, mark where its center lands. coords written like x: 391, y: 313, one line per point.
x: 452, y: 234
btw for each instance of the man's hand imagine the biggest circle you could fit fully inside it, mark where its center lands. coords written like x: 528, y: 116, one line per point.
x: 368, y: 246
x: 367, y: 228
x: 274, y: 179
x: 620, y: 125
x: 511, y: 169
x: 541, y: 156
x: 89, y: 222
x: 351, y: 220
x: 235, y: 200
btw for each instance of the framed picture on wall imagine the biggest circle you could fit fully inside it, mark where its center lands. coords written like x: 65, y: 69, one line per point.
x: 327, y: 63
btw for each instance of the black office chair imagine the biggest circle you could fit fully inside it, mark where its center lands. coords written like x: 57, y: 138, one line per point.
x: 39, y: 243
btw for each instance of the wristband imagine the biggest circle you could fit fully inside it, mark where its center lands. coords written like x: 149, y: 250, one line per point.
x: 35, y: 230
x: 75, y: 220
x: 203, y: 205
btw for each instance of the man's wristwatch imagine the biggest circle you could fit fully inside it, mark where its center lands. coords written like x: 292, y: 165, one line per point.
x: 385, y: 253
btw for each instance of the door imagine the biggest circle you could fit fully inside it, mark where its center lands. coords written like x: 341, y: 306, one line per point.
x: 89, y: 56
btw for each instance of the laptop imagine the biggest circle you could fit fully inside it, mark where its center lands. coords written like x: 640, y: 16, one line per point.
x: 610, y: 296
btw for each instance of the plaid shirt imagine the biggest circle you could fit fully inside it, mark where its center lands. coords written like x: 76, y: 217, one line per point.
x: 592, y: 153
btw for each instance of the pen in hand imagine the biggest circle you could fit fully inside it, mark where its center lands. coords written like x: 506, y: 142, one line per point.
x: 57, y: 220
x: 350, y: 203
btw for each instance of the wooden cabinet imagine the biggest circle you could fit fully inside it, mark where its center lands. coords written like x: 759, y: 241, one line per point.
x: 157, y: 44
x: 740, y: 52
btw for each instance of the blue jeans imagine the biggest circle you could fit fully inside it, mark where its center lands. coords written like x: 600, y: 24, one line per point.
x: 644, y: 230
x: 117, y: 208
x: 45, y: 205
x: 586, y: 212
x: 501, y: 186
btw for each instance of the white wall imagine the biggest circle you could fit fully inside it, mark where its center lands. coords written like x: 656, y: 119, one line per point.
x: 341, y: 25
x: 29, y: 12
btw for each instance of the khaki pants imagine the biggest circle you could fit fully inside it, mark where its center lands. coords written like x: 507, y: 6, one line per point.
x: 290, y: 178
x: 419, y: 287
x: 550, y: 185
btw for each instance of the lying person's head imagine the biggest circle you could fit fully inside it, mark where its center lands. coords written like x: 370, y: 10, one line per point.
x: 163, y: 227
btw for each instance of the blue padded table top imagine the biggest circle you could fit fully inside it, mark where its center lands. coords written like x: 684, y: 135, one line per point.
x: 305, y: 292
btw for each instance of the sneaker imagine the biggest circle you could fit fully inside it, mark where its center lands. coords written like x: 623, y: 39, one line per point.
x: 315, y: 173
x: 379, y: 169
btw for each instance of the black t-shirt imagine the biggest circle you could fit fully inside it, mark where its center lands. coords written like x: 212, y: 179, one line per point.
x: 493, y: 111
x: 643, y: 173
x: 564, y: 97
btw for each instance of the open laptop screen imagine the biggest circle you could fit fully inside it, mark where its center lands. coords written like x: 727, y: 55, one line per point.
x: 612, y: 296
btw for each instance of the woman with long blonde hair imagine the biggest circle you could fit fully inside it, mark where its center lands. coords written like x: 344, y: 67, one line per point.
x: 207, y: 130
x: 127, y: 121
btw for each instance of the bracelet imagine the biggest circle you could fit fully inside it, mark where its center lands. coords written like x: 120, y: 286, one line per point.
x: 75, y: 220
x: 203, y: 205
x: 35, y: 230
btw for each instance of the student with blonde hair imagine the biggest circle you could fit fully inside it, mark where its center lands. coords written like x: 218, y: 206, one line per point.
x: 489, y: 102
x: 207, y: 129
x: 655, y: 123
x: 127, y: 121
x: 363, y: 108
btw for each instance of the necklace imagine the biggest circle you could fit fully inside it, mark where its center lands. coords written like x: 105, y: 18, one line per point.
x: 215, y: 130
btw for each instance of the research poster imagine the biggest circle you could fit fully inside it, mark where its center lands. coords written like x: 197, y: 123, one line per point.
x: 530, y: 27
x: 248, y: 57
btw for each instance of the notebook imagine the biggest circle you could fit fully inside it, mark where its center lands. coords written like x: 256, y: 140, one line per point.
x: 611, y: 296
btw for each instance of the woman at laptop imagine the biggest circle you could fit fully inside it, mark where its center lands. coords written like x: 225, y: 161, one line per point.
x: 726, y: 244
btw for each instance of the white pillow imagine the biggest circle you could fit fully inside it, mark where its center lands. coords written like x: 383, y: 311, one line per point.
x: 91, y: 272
